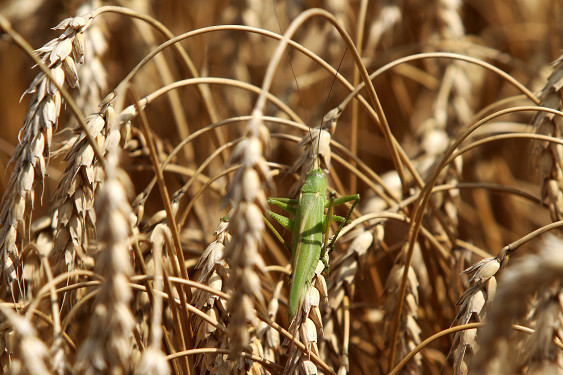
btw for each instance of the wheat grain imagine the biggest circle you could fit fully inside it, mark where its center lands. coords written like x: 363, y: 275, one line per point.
x: 307, y: 325
x: 389, y: 16
x: 473, y: 302
x: 314, y: 146
x: 30, y: 354
x: 451, y: 110
x: 246, y: 192
x: 108, y: 348
x: 408, y: 326
x: 214, y: 274
x: 74, y: 219
x: 345, y: 268
x: 539, y: 352
x: 541, y: 274
x: 427, y: 100
x: 32, y: 152
x: 549, y: 154
x: 153, y: 360
x: 269, y: 337
x: 341, y: 283
x: 92, y: 75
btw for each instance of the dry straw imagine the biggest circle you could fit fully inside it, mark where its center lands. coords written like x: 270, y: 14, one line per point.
x: 122, y: 297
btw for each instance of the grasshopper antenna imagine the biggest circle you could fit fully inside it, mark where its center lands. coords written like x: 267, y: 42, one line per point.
x: 316, y: 161
x: 293, y: 73
x: 325, y: 110
x: 315, y: 158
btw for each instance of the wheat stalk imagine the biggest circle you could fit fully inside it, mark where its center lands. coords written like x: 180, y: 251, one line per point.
x: 50, y: 211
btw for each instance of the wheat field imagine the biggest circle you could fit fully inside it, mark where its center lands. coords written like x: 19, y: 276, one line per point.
x: 141, y: 140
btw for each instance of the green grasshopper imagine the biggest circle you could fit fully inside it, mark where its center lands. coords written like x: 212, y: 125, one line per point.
x: 309, y: 229
x: 310, y: 225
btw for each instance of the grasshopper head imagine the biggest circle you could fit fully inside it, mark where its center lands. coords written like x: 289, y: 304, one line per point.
x: 314, y: 182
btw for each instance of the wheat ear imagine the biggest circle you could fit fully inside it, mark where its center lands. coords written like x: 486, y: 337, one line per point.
x: 537, y: 274
x: 214, y: 273
x: 60, y: 55
x: 307, y: 325
x: 473, y: 304
x: 30, y: 354
x: 108, y: 348
x: 550, y: 154
x: 153, y: 360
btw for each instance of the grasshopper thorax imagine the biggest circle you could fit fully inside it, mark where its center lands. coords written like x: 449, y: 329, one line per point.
x: 315, y: 182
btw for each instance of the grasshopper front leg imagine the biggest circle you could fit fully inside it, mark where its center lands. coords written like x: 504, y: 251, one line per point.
x: 286, y: 204
x: 333, y: 201
x: 349, y: 198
